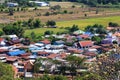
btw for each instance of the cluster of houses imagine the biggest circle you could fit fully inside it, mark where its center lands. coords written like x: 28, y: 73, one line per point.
x: 22, y: 57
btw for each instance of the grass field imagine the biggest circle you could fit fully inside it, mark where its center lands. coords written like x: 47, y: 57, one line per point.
x: 85, y: 22
x: 81, y: 23
x: 40, y: 31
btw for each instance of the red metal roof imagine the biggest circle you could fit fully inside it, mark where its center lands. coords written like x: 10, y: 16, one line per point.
x: 86, y: 43
x: 84, y: 36
x: 52, y: 55
x: 45, y: 41
x: 42, y: 52
x: 92, y: 54
x: 1, y: 39
x: 63, y: 55
x: 11, y: 58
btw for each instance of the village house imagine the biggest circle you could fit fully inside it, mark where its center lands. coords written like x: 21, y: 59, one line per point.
x: 85, y: 44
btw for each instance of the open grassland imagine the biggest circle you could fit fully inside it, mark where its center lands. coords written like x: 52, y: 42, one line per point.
x: 65, y: 4
x: 40, y: 31
x: 81, y: 23
x: 85, y: 22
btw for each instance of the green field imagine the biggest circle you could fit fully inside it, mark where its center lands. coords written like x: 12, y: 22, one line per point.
x: 85, y: 22
x: 40, y: 31
x: 81, y: 23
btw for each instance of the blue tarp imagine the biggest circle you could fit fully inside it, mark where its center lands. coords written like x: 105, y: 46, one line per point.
x: 15, y: 53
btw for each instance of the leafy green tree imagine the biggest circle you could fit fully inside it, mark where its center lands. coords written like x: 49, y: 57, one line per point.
x: 89, y: 76
x: 47, y: 14
x: 6, y: 72
x: 48, y: 32
x: 65, y: 11
x: 37, y: 23
x: 33, y: 35
x: 37, y: 65
x: 75, y: 63
x: 30, y: 23
x: 111, y: 24
x: 96, y: 28
x: 97, y: 39
x: 74, y: 28
x: 107, y: 66
x: 1, y: 33
x: 26, y: 41
x: 9, y: 30
x: 50, y: 23
x: 60, y: 77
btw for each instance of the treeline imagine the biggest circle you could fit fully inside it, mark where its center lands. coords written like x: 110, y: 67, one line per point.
x: 88, y: 2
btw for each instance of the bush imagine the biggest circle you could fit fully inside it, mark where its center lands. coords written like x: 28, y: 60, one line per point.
x: 111, y: 24
x: 48, y: 32
x: 47, y: 14
x: 56, y: 7
x: 51, y: 23
x: 65, y: 11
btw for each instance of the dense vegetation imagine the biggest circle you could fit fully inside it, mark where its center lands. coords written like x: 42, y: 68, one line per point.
x: 6, y: 72
x: 88, y: 2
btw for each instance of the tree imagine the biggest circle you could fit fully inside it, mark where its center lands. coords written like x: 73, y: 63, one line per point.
x: 1, y: 33
x: 60, y: 77
x: 75, y: 63
x: 96, y: 28
x: 47, y: 13
x: 37, y: 23
x: 89, y: 76
x: 111, y: 24
x: 48, y: 32
x: 9, y: 30
x: 11, y: 11
x: 30, y: 23
x: 97, y: 39
x: 107, y: 66
x: 33, y: 36
x: 74, y: 28
x: 26, y: 41
x: 50, y: 23
x: 37, y: 65
x: 6, y: 72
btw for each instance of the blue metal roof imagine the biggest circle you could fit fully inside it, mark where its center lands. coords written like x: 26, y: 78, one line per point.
x: 15, y: 53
